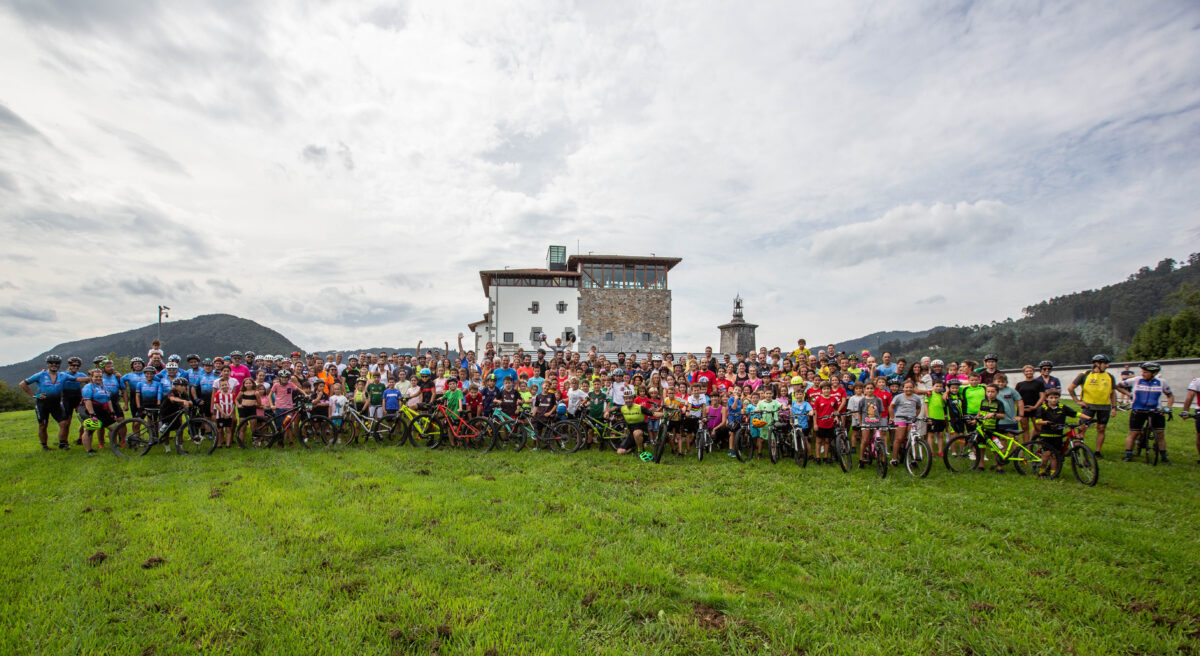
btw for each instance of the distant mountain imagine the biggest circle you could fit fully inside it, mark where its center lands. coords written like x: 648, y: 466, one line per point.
x: 207, y: 335
x: 873, y: 341
x: 1066, y: 329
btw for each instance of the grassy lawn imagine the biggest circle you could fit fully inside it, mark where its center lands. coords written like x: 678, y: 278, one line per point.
x: 404, y: 550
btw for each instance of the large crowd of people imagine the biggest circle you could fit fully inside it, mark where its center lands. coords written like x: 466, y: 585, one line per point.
x: 810, y: 388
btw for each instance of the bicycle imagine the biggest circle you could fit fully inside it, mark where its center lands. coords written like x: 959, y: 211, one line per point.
x: 601, y: 431
x: 472, y: 434
x: 1083, y: 459
x: 842, y: 452
x: 967, y: 452
x: 1146, y: 442
x: 704, y: 442
x: 422, y: 428
x: 914, y: 451
x: 271, y: 430
x: 353, y: 424
x: 194, y: 435
x: 783, y: 442
x: 875, y: 448
x: 510, y: 432
x: 656, y: 441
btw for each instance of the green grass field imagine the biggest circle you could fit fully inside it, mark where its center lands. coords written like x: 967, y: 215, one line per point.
x: 403, y: 550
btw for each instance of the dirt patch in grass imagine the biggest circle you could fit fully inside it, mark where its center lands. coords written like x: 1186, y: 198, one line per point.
x: 588, y: 599
x: 216, y: 492
x: 982, y: 606
x: 709, y: 618
x: 152, y: 561
x: 97, y: 558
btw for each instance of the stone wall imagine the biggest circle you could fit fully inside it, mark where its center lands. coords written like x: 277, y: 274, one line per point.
x: 737, y: 337
x: 628, y: 314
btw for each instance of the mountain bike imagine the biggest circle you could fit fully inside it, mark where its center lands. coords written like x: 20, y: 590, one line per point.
x: 914, y: 450
x: 969, y: 452
x: 354, y: 425
x: 453, y: 429
x: 841, y: 443
x: 422, y: 427
x: 601, y: 431
x: 1083, y: 459
x: 193, y: 435
x: 510, y: 433
x: 704, y: 442
x: 273, y: 430
x: 656, y: 441
x: 1146, y: 443
x: 875, y: 447
x: 744, y: 441
x: 799, y: 439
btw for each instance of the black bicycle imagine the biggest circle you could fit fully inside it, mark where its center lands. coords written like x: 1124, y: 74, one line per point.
x: 193, y: 434
x: 1146, y: 442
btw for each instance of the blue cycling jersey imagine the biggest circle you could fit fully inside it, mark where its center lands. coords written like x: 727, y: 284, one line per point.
x: 164, y: 386
x: 800, y: 411
x: 192, y: 375
x: 47, y: 385
x: 148, y: 389
x: 735, y: 409
x: 113, y: 384
x: 96, y: 393
x: 1146, y: 393
x: 74, y: 382
x: 205, y: 382
x: 132, y: 381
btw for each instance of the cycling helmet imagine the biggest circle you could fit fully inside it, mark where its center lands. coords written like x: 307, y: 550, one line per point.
x: 192, y: 356
x: 106, y: 363
x: 646, y: 456
x: 618, y: 372
x: 954, y: 381
x: 173, y: 358
x: 797, y: 380
x: 1152, y: 367
x: 297, y: 354
x: 53, y: 359
x: 92, y: 424
x: 426, y: 372
x: 180, y: 380
x: 895, y: 379
x: 98, y: 359
x: 937, y: 363
x: 283, y: 374
x: 207, y: 362
x: 136, y: 359
x: 172, y: 366
x: 279, y: 358
x: 991, y: 356
x: 233, y: 353
x: 250, y: 354
x: 74, y: 360
x: 1045, y: 364
x: 1100, y: 357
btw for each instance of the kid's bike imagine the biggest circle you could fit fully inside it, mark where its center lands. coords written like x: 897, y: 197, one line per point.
x: 1070, y: 447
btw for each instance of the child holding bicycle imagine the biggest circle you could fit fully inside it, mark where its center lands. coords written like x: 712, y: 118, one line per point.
x: 871, y: 413
x: 991, y: 412
x: 1049, y: 423
x: 825, y: 408
x: 935, y: 409
x: 905, y: 409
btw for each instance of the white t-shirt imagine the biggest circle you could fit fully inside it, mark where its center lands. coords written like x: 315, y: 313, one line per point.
x: 1194, y: 385
x: 153, y: 352
x: 337, y: 405
x: 574, y: 398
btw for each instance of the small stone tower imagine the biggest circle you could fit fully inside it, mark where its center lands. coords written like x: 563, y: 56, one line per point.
x: 737, y: 336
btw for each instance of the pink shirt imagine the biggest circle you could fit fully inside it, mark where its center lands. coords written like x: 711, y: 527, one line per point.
x: 239, y: 372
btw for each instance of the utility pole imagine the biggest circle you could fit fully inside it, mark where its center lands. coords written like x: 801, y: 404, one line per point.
x: 162, y: 312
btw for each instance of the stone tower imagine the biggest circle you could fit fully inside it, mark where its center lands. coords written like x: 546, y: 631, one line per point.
x: 737, y: 336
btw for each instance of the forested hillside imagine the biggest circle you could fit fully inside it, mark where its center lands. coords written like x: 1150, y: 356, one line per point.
x: 1066, y: 329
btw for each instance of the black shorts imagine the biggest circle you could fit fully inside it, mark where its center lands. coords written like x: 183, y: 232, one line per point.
x: 49, y: 407
x: 937, y: 425
x: 1197, y: 418
x: 71, y: 401
x: 146, y: 404
x: 1029, y: 412
x: 689, y: 424
x: 116, y: 408
x: 1100, y: 415
x: 1138, y: 419
x: 225, y: 422
x: 826, y: 433
x: 204, y: 404
x: 104, y: 415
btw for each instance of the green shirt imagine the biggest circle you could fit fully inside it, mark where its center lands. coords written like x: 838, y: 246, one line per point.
x: 454, y: 400
x: 769, y: 410
x: 991, y: 406
x: 936, y: 407
x: 375, y: 393
x: 596, y: 403
x: 972, y: 396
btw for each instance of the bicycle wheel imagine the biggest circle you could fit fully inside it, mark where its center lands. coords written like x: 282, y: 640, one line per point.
x: 138, y: 436
x: 660, y: 443
x: 743, y: 444
x: 917, y: 458
x: 1085, y: 466
x: 1049, y: 463
x: 958, y: 454
x: 317, y: 431
x: 254, y: 431
x: 841, y: 451
x: 389, y: 429
x: 565, y: 437
x: 773, y: 446
x: 801, y: 442
x: 437, y: 433
x: 400, y: 424
x: 1018, y: 456
x: 702, y: 439
x: 198, y: 437
x: 420, y: 430
x: 881, y: 458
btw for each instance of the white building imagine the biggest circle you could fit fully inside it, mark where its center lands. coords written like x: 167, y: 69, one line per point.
x: 523, y: 303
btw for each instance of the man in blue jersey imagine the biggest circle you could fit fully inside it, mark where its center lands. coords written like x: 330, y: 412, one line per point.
x: 48, y: 399
x: 1146, y: 392
x: 202, y: 387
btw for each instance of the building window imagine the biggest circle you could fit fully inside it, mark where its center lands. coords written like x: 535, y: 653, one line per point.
x: 562, y: 307
x: 508, y: 337
x: 535, y: 335
x: 534, y: 307
x: 608, y: 337
x: 645, y: 337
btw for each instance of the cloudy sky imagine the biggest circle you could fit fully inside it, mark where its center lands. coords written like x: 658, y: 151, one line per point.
x: 340, y: 171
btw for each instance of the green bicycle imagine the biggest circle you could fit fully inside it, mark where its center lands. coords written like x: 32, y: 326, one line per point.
x: 970, y: 452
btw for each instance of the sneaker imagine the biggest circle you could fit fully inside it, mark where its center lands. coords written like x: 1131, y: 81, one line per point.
x: 91, y: 452
x: 44, y: 447
x: 862, y: 464
x: 894, y: 463
x: 1099, y: 456
x: 63, y: 445
x: 732, y: 454
x: 1164, y: 460
x: 1128, y: 458
x: 971, y: 455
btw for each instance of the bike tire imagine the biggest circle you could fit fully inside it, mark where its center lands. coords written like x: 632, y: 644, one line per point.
x: 437, y: 433
x: 138, y: 444
x: 316, y: 431
x: 801, y: 454
x: 566, y: 437
x: 400, y: 424
x: 773, y: 447
x: 482, y: 438
x: 254, y: 431
x: 743, y: 444
x: 198, y: 437
x: 1019, y: 458
x: 660, y: 443
x: 1085, y: 465
x: 702, y: 438
x: 917, y: 459
x: 841, y: 452
x: 881, y: 459
x: 956, y: 456
x: 1153, y: 446
x: 420, y: 430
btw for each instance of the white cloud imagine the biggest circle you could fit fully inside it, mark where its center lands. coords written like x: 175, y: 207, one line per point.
x: 388, y: 151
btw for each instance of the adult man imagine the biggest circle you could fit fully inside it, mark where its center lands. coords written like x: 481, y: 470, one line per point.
x: 504, y: 371
x: 887, y: 368
x: 635, y: 416
x: 48, y: 402
x: 1146, y: 392
x: 988, y: 375
x: 1049, y: 382
x: 1193, y: 393
x: 1097, y: 397
x: 237, y: 370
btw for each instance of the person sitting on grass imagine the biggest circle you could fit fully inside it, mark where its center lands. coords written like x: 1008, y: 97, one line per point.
x: 635, y: 424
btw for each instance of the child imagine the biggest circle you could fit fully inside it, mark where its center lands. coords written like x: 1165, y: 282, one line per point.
x: 936, y: 411
x: 338, y: 404
x: 825, y: 407
x: 697, y: 408
x: 802, y: 412
x: 990, y: 413
x: 453, y: 398
x: 527, y: 395
x: 489, y: 393
x: 1049, y: 425
x: 904, y: 411
x: 973, y: 394
x: 222, y: 406
x: 871, y: 413
x: 749, y: 406
x: 360, y: 396
x: 374, y: 392
x: 768, y: 408
x: 576, y: 399
x: 473, y: 401
x: 852, y: 406
x: 391, y: 399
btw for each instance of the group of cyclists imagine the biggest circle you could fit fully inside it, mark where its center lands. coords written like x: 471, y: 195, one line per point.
x: 647, y: 394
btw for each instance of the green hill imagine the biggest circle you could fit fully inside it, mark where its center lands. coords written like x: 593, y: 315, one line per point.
x: 873, y: 341
x: 208, y: 335
x: 1065, y: 329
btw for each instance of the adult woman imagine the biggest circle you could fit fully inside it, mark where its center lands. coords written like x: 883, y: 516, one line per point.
x: 920, y: 378
x: 741, y: 376
x: 97, y: 402
x: 1033, y: 393
x: 753, y: 381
